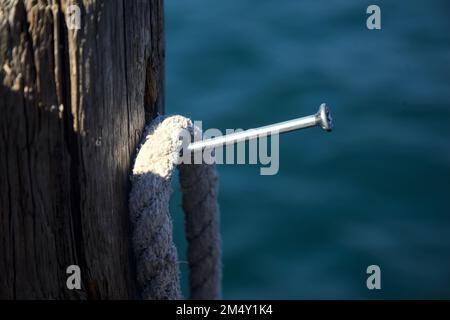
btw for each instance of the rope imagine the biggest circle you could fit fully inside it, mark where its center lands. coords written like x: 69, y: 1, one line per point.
x: 154, y: 250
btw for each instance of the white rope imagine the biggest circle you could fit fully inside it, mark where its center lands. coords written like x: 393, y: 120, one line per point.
x: 155, y: 252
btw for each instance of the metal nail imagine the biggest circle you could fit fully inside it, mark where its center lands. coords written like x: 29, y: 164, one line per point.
x: 321, y: 119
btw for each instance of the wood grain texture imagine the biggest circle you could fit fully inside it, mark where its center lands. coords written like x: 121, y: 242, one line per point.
x: 73, y: 104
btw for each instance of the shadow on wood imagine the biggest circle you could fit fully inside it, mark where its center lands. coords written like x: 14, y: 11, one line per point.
x: 73, y: 104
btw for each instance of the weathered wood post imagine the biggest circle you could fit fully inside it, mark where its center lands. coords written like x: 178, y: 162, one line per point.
x: 72, y: 107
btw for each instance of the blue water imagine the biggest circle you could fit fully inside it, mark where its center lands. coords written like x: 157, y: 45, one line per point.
x: 374, y: 191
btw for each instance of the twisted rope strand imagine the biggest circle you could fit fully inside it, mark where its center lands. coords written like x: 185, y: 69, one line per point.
x: 155, y: 252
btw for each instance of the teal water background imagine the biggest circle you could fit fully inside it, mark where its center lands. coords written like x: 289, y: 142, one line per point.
x: 374, y: 191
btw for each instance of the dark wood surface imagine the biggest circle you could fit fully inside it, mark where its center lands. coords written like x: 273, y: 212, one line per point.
x: 72, y: 108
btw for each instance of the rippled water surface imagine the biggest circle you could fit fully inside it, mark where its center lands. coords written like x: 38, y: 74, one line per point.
x: 374, y: 191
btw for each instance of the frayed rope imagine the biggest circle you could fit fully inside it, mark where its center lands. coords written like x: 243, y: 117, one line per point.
x: 155, y: 253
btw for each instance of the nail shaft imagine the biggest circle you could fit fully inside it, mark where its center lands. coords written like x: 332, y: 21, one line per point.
x: 322, y: 118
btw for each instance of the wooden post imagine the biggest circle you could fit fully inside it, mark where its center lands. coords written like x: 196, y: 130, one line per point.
x: 73, y: 104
